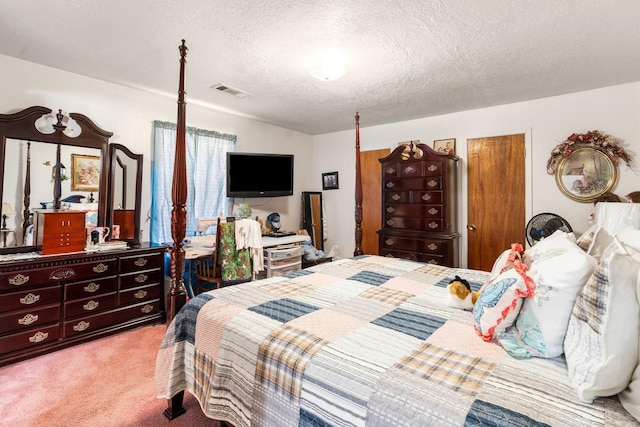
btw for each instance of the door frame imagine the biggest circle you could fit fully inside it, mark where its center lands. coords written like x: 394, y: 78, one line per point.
x: 463, y: 211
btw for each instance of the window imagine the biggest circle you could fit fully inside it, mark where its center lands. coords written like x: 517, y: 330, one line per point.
x: 206, y: 153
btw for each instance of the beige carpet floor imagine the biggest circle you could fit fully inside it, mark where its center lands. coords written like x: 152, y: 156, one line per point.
x: 106, y: 382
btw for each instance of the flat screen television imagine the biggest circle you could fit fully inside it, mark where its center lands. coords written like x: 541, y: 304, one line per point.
x: 259, y: 175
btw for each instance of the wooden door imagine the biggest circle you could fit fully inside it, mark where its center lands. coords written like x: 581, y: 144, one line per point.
x: 371, y: 204
x: 496, y: 197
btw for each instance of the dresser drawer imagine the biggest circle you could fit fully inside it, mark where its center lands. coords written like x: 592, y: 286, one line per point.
x: 90, y: 324
x: 415, y: 256
x: 141, y: 262
x: 413, y: 244
x: 141, y: 278
x: 430, y: 183
x: 136, y: 295
x: 31, y: 338
x: 429, y: 211
x: 276, y: 254
x: 418, y: 224
x: 30, y: 298
x: 94, y: 304
x: 27, y: 319
x: 89, y: 288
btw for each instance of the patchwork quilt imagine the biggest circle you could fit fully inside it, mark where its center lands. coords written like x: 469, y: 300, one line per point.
x: 367, y: 341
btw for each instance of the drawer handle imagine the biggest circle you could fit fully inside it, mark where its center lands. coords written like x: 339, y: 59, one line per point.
x: 140, y: 262
x: 91, y: 305
x: 432, y: 168
x: 81, y: 326
x: 390, y: 185
x: 389, y: 222
x: 389, y: 242
x: 432, y: 246
x: 433, y: 211
x: 432, y: 261
x: 409, y: 170
x: 432, y: 183
x: 28, y: 319
x: 141, y: 278
x: 18, y: 279
x: 426, y: 196
x: 433, y: 225
x: 148, y: 308
x: 391, y: 209
x: 390, y: 171
x: 100, y: 268
x: 29, y: 299
x: 140, y: 294
x: 396, y: 196
x: 92, y: 287
x: 39, y: 337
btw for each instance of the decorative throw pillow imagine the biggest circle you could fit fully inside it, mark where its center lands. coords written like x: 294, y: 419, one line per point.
x: 505, y: 261
x: 500, y: 301
x: 601, y: 345
x: 559, y: 274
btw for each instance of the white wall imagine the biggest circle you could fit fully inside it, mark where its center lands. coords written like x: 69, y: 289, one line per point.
x: 545, y: 122
x: 129, y: 114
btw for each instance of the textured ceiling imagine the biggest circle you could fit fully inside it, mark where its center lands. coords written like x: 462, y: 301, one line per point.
x: 406, y: 59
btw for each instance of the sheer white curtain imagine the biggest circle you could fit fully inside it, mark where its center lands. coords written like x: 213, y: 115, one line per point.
x: 206, y: 177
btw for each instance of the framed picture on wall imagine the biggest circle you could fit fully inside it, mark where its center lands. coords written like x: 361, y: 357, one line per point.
x: 447, y: 146
x: 330, y: 181
x: 85, y: 172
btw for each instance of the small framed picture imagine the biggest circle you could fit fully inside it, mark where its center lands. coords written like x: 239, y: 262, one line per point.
x: 85, y: 172
x: 447, y: 146
x: 330, y: 181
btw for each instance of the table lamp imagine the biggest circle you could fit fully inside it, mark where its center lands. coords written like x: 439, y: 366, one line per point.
x: 6, y: 211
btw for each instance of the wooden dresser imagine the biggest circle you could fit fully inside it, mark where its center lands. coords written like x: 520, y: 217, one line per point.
x: 419, y: 206
x: 51, y: 302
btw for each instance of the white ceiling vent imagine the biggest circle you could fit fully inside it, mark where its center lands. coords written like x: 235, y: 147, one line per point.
x: 230, y: 90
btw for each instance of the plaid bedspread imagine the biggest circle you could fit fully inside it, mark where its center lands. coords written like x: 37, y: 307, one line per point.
x: 367, y: 341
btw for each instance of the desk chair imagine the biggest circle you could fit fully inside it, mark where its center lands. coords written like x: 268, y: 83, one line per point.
x: 208, y: 271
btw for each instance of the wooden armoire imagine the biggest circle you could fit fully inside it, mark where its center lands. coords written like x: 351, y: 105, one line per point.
x: 419, y: 205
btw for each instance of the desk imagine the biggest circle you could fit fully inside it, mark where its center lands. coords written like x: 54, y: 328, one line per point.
x: 189, y: 255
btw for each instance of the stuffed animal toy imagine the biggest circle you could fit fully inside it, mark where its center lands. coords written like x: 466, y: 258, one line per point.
x: 460, y: 294
x: 311, y: 253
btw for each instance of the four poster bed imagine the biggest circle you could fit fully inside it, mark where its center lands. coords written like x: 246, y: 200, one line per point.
x: 367, y: 340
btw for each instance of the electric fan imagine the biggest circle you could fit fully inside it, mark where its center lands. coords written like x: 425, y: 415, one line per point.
x: 544, y: 225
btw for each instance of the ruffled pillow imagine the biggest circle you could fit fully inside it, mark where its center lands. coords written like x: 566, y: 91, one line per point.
x: 500, y: 301
x: 505, y: 261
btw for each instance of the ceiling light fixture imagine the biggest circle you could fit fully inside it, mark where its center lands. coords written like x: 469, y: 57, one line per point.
x: 329, y: 66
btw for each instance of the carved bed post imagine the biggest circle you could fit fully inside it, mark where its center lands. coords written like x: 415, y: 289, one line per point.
x: 358, y: 210
x: 177, y: 296
x: 27, y: 192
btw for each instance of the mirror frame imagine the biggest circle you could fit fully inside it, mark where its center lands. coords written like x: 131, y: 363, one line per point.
x: 113, y: 149
x: 22, y: 126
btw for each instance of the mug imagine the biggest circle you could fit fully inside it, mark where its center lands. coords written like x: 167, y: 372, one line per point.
x: 96, y: 235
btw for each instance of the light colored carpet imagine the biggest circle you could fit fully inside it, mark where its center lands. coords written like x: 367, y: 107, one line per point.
x: 106, y: 382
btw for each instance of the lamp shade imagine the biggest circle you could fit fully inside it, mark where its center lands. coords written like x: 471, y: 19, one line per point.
x: 7, y: 209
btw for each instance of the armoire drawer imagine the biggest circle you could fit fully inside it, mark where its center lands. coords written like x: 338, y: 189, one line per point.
x: 418, y: 224
x: 428, y: 211
x: 414, y: 245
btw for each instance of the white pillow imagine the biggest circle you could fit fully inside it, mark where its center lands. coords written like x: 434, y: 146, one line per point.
x: 601, y: 345
x: 559, y: 239
x: 601, y: 240
x: 499, y: 302
x: 630, y: 236
x: 559, y: 275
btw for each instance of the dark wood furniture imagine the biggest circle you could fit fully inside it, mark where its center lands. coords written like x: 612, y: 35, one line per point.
x: 419, y: 205
x: 312, y: 217
x: 52, y: 302
x: 58, y: 232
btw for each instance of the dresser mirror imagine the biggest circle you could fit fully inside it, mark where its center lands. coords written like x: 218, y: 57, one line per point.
x: 32, y: 143
x: 125, y: 192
